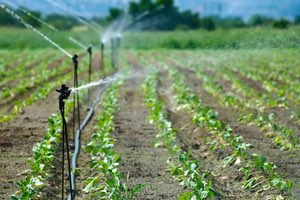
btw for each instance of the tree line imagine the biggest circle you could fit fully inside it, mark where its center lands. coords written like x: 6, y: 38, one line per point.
x: 151, y: 15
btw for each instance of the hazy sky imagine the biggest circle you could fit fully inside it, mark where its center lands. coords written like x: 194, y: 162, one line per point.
x: 245, y: 8
x: 242, y: 8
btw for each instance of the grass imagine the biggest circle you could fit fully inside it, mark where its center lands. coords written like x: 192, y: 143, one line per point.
x: 20, y: 38
x: 246, y: 38
x: 219, y: 39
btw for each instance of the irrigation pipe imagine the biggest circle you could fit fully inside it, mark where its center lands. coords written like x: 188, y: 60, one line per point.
x: 78, y: 136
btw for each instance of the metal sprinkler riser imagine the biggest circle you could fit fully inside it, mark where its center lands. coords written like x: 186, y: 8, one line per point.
x: 89, y: 50
x: 102, y: 57
x: 64, y: 94
x: 75, y: 60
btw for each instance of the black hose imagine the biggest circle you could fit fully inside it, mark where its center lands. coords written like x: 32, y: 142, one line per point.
x: 78, y: 135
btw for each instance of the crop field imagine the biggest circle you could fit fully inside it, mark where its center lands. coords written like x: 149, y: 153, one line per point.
x: 178, y: 124
x: 118, y: 113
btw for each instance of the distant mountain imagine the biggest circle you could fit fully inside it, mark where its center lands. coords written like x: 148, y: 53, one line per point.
x: 241, y: 8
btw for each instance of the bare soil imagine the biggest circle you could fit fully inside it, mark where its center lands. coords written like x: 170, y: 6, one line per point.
x: 135, y: 138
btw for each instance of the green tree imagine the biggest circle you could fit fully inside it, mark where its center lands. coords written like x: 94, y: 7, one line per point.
x: 7, y: 20
x: 208, y: 23
x: 297, y: 19
x: 165, y: 3
x: 231, y: 22
x: 61, y: 22
x: 114, y: 13
x: 146, y: 5
x: 27, y: 16
x: 259, y: 20
x: 133, y: 8
x: 281, y: 23
x: 190, y: 19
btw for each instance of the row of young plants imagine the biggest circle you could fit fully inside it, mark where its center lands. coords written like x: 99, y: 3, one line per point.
x: 40, y: 93
x: 282, y: 136
x: 285, y: 89
x: 43, y: 155
x: 182, y: 166
x: 107, y: 182
x: 256, y: 169
x: 6, y: 64
x: 23, y: 65
x: 40, y: 76
x: 275, y: 69
x: 251, y: 104
x: 45, y: 151
x: 281, y: 67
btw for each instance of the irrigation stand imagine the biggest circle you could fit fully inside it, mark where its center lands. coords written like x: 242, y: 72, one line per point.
x: 118, y: 45
x: 102, y: 57
x: 89, y: 50
x: 113, y: 64
x: 118, y: 42
x: 76, y: 95
x: 64, y: 94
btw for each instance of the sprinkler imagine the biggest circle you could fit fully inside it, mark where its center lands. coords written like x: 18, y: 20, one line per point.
x: 118, y: 41
x: 113, y: 64
x: 102, y: 57
x: 117, y: 47
x: 64, y: 94
x: 89, y: 50
x: 76, y: 95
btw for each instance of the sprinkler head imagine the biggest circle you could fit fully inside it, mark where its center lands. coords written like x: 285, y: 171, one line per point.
x: 89, y: 50
x: 75, y: 59
x: 64, y: 92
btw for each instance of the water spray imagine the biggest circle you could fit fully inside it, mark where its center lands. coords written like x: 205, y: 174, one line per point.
x: 74, y: 14
x: 64, y: 94
x: 31, y: 15
x: 17, y: 17
x: 89, y: 50
x: 78, y: 43
x: 113, y: 63
x: 114, y: 77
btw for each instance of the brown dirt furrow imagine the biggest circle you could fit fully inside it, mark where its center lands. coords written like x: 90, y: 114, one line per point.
x: 17, y: 139
x: 257, y: 86
x: 283, y: 115
x: 133, y: 61
x: 227, y: 181
x: 145, y: 164
x: 251, y: 134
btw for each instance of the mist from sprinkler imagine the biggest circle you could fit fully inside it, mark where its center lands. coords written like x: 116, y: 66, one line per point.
x: 17, y: 17
x: 114, y: 33
x: 123, y: 24
x: 75, y: 14
x: 45, y: 23
x: 78, y: 43
x: 30, y: 15
x: 114, y: 77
